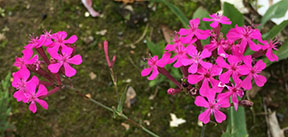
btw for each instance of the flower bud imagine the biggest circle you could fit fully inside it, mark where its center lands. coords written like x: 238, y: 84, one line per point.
x: 246, y: 103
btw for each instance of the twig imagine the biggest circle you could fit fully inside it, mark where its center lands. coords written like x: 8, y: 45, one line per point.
x: 115, y: 112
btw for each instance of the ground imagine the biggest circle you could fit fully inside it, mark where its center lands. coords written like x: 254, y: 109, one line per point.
x: 69, y: 114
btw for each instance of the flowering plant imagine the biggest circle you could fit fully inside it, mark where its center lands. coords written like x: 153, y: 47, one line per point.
x: 61, y: 53
x: 217, y: 71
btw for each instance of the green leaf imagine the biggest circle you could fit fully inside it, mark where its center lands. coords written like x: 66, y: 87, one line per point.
x: 277, y: 10
x: 156, y: 49
x: 275, y: 30
x: 234, y: 15
x: 236, y: 123
x: 121, y: 101
x: 202, y: 13
x: 282, y: 53
x: 176, y: 11
x: 157, y: 81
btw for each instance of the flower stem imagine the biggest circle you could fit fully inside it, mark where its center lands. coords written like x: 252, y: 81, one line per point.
x: 116, y: 112
x: 203, y: 131
x: 164, y: 72
x: 114, y: 82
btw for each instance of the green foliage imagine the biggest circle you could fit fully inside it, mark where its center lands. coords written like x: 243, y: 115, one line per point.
x: 176, y: 11
x: 156, y: 49
x: 234, y: 15
x: 122, y: 100
x: 277, y: 10
x: 4, y: 104
x: 236, y: 123
x: 275, y: 30
x: 202, y: 13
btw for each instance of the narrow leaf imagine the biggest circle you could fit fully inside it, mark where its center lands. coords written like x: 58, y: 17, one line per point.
x: 236, y: 123
x: 176, y: 11
x: 202, y: 13
x: 121, y: 101
x: 277, y: 10
x: 156, y: 49
x: 275, y: 30
x: 234, y: 15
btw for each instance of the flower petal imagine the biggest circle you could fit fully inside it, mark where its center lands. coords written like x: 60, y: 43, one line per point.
x: 146, y: 72
x: 221, y: 62
x: 76, y: 60
x: 193, y: 79
x: 224, y: 77
x: 260, y: 80
x: 201, y: 102
x: 154, y: 74
x: 71, y: 40
x: 193, y: 68
x: 246, y: 84
x: 219, y: 116
x: 54, y: 68
x: 42, y: 103
x: 205, y: 116
x: 260, y: 65
x: 42, y: 91
x: 69, y: 71
x: 33, y: 107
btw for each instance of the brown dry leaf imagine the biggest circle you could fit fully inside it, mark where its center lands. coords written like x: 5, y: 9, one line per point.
x: 126, y: 126
x: 92, y: 75
x: 168, y: 34
x: 274, y: 127
x: 88, y: 95
x: 130, y: 97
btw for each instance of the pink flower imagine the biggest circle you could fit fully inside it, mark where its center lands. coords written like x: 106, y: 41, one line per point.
x: 21, y: 82
x: 176, y: 43
x: 234, y: 91
x: 59, y: 41
x: 26, y: 59
x: 217, y: 18
x: 88, y: 6
x: 181, y: 55
x: 188, y: 34
x: 221, y: 47
x: 33, y: 98
x: 153, y: 64
x: 196, y: 59
x: 110, y: 63
x: 65, y: 60
x: 213, y: 107
x: 206, y: 75
x: 245, y: 34
x: 253, y: 72
x: 232, y: 69
x: 269, y: 47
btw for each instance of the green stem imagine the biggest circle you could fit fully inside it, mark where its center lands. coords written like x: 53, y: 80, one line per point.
x: 117, y: 113
x: 114, y: 82
x: 203, y: 131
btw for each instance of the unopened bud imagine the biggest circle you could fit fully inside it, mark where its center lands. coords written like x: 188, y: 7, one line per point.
x: 246, y: 103
x: 172, y: 91
x: 193, y: 91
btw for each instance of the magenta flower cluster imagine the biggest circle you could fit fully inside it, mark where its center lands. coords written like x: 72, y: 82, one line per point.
x: 61, y: 53
x: 217, y: 71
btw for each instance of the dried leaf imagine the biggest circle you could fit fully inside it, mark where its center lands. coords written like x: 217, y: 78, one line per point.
x: 274, y: 127
x: 126, y: 126
x: 175, y: 122
x: 168, y: 34
x: 130, y: 97
x: 92, y: 75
